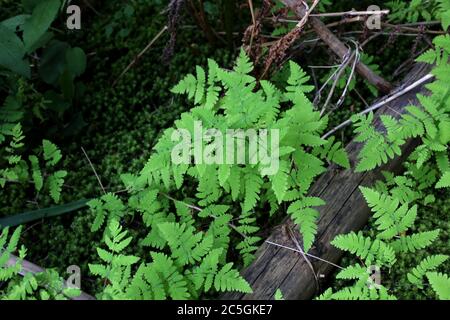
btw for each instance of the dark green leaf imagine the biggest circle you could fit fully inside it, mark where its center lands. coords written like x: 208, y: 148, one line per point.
x: 76, y: 61
x: 41, y: 214
x: 52, y: 63
x: 41, y: 19
x: 12, y: 52
x: 14, y: 22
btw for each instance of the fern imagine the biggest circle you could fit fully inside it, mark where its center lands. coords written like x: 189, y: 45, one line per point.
x: 444, y: 181
x: 278, y: 295
x: 109, y: 207
x: 430, y: 263
x: 176, y: 201
x: 43, y: 285
x: 7, y: 247
x: 393, y: 218
x: 186, y: 247
x: 51, y: 153
x: 303, y: 215
x: 36, y: 173
x: 117, y: 266
x: 440, y: 284
x: 378, y: 148
x: 429, y: 121
x: 414, y: 242
x: 333, y: 152
x: 56, y: 181
x: 228, y: 279
x: 412, y: 11
x: 371, y: 251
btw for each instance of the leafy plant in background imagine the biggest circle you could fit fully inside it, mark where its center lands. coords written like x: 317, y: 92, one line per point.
x: 17, y: 170
x: 414, y: 10
x: 29, y: 49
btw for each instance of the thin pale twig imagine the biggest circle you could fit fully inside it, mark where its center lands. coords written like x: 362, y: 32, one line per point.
x: 307, y: 254
x: 93, y: 169
x: 299, y: 248
x: 382, y: 103
x: 351, y: 13
x: 136, y: 59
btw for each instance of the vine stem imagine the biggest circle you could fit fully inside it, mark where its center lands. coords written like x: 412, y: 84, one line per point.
x: 381, y: 103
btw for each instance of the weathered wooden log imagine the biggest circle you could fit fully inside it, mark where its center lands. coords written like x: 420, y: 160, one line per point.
x: 345, y: 211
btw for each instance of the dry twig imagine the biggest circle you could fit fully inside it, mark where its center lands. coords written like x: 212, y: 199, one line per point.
x: 382, y: 103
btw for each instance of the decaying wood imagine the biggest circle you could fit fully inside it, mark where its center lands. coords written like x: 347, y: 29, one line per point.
x: 28, y: 267
x: 345, y: 211
x: 337, y: 46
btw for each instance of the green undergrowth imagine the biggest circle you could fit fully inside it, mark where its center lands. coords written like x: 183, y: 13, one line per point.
x: 120, y: 124
x: 431, y: 216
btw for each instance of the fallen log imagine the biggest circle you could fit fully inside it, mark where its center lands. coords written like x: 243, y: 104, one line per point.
x: 277, y: 267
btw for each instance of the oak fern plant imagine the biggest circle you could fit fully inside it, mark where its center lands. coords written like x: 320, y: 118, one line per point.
x: 393, y: 220
x: 195, y: 212
x: 43, y: 285
x: 40, y: 169
x: 429, y: 122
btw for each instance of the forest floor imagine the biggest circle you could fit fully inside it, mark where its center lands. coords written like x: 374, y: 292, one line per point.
x: 117, y: 126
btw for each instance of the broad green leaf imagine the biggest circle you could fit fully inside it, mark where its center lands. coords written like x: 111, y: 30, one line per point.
x: 53, y: 61
x: 12, y: 52
x: 29, y: 216
x: 39, y: 22
x: 15, y: 22
x: 76, y: 61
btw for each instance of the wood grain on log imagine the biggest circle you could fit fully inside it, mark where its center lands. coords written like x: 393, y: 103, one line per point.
x: 345, y: 211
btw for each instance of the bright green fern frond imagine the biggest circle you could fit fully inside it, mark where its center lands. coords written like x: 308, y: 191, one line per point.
x: 186, y: 245
x: 36, y: 173
x: 371, y: 251
x: 440, y: 284
x: 305, y: 217
x: 444, y: 181
x: 228, y: 279
x: 430, y: 263
x: 414, y: 242
x: 51, y: 153
x: 55, y: 182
